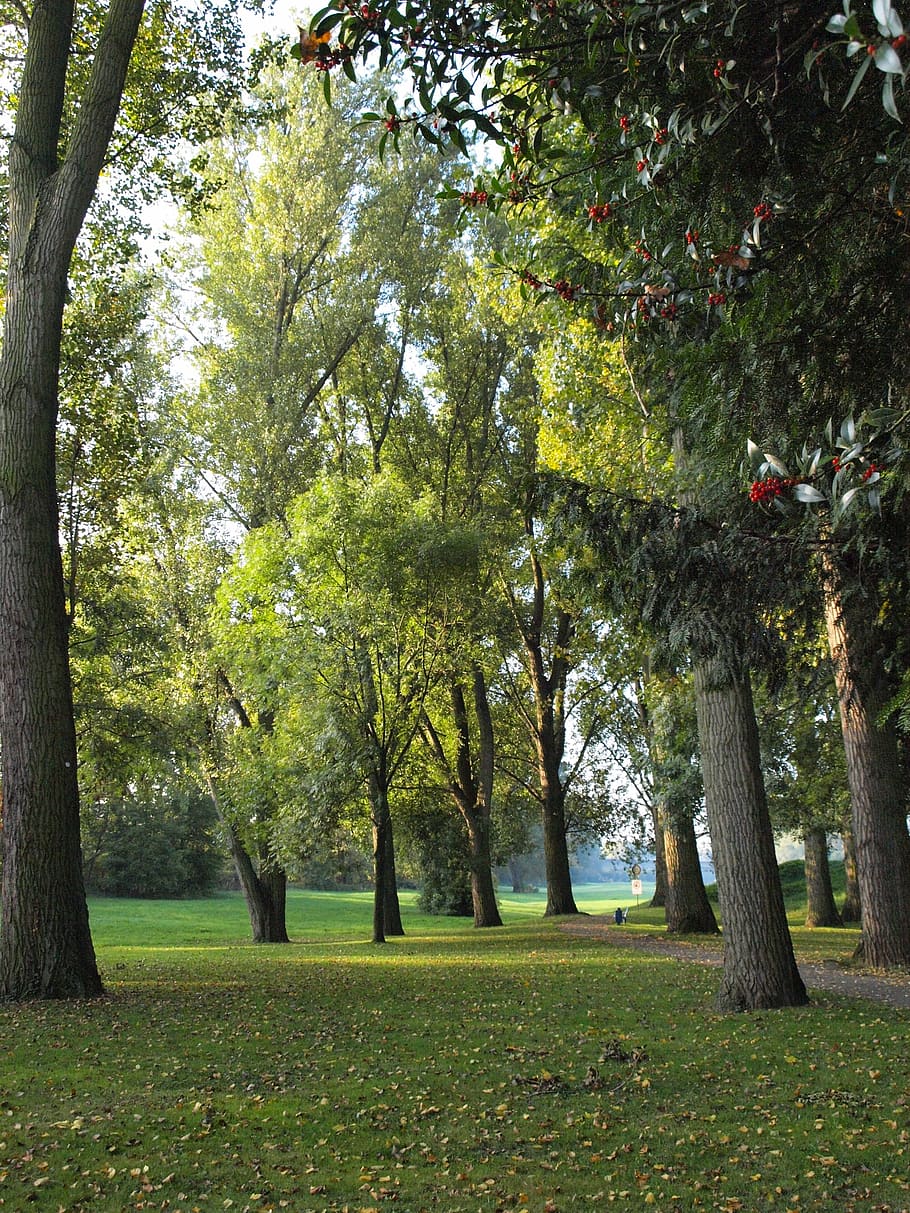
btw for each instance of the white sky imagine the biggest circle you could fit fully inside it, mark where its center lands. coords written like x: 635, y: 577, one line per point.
x: 285, y: 16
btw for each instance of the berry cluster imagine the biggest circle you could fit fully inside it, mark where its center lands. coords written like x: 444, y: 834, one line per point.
x: 719, y: 68
x: 641, y: 165
x: 643, y: 252
x: 625, y: 124
x: 669, y: 311
x: 393, y: 125
x: 326, y: 59
x: 661, y: 135
x: 870, y: 471
x: 530, y: 280
x: 716, y: 299
x: 769, y: 488
x: 474, y: 198
x: 692, y: 237
x: 600, y: 211
x: 762, y: 211
x: 565, y: 290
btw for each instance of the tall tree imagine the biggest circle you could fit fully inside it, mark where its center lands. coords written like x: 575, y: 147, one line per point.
x: 345, y: 619
x: 45, y: 944
x: 300, y: 348
x: 67, y: 107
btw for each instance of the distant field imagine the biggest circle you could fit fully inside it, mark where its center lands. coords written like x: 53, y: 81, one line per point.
x: 312, y: 915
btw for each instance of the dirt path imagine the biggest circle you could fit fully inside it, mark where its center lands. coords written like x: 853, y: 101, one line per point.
x: 892, y: 990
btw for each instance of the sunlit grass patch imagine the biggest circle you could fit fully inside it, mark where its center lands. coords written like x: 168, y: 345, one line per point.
x: 449, y: 1070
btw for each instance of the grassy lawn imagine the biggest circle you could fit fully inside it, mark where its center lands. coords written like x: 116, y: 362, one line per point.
x: 452, y: 1070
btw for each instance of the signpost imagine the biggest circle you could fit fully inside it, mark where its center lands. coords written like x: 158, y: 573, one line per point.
x: 635, y: 873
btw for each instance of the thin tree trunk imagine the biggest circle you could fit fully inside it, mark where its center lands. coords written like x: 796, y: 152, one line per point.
x: 379, y: 857
x: 660, y: 860
x: 548, y: 733
x: 688, y: 908
x: 877, y: 790
x: 759, y: 966
x: 483, y: 889
x: 851, y: 911
x: 470, y: 783
x: 382, y: 824
x: 821, y: 908
x: 391, y: 907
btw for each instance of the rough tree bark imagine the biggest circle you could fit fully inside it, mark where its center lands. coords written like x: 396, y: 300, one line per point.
x: 687, y: 907
x: 821, y: 908
x: 45, y: 944
x: 851, y: 910
x: 877, y: 790
x: 759, y: 967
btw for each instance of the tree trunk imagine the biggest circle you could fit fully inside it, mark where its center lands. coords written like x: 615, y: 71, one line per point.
x: 759, y: 967
x: 560, y: 898
x: 483, y: 890
x: 391, y: 908
x: 660, y: 861
x: 548, y: 734
x: 45, y: 944
x: 821, y: 908
x: 264, y: 891
x: 877, y: 790
x: 386, y: 911
x: 851, y: 911
x: 688, y: 908
x: 470, y: 782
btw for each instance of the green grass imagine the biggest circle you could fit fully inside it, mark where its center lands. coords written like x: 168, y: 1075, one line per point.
x: 452, y: 1070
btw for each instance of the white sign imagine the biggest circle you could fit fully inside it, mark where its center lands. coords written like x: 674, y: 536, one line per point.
x: 636, y: 888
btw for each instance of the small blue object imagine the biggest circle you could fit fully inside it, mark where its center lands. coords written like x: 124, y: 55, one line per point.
x: 619, y: 917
